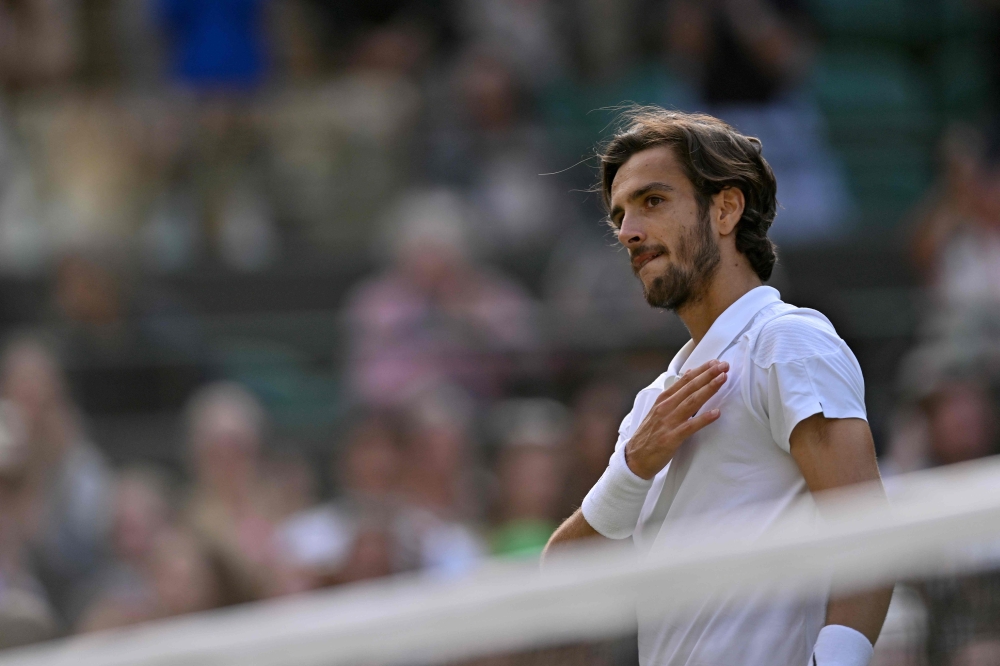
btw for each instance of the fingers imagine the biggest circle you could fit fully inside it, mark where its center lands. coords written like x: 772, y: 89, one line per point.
x: 712, y: 370
x: 687, y: 378
x: 691, y: 426
x: 690, y: 405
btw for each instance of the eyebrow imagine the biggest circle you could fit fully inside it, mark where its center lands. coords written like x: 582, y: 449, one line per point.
x: 641, y: 192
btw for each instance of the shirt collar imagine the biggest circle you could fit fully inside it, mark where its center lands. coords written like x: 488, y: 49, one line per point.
x: 724, y: 329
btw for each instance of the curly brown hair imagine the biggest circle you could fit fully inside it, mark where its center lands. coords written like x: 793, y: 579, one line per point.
x: 714, y: 156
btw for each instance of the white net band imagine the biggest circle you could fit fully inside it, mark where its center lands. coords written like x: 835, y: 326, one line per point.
x: 934, y: 520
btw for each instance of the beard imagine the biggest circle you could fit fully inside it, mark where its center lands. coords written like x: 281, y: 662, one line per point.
x: 685, y: 279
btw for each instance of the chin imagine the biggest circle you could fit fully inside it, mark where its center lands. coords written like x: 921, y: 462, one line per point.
x: 669, y: 291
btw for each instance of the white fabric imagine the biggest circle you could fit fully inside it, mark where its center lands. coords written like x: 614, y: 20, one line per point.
x: 838, y: 645
x: 612, y: 506
x: 786, y: 363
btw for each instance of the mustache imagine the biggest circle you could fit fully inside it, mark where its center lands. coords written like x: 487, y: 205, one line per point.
x: 650, y: 249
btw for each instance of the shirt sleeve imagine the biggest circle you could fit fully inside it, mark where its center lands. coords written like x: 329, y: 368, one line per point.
x: 816, y: 374
x: 643, y: 402
x: 624, y: 432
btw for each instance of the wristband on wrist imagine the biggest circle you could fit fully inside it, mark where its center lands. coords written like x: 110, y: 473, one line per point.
x: 613, y: 505
x: 838, y: 645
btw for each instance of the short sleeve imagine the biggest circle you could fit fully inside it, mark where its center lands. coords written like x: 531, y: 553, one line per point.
x: 644, y: 401
x: 624, y: 431
x: 813, y: 372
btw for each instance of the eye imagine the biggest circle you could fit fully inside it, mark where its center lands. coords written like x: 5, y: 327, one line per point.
x: 654, y: 200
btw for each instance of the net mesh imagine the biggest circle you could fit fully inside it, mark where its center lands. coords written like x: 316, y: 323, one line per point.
x: 937, y: 541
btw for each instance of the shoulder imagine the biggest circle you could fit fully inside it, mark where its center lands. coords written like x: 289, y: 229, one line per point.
x: 792, y: 335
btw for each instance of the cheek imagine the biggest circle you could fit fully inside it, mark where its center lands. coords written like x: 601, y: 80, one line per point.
x: 672, y: 224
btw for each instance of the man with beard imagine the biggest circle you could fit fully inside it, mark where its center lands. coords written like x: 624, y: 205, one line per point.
x: 763, y: 406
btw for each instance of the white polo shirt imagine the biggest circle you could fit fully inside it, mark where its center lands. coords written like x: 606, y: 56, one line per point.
x: 786, y: 363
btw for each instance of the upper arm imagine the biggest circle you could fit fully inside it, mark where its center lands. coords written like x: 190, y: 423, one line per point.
x: 832, y: 453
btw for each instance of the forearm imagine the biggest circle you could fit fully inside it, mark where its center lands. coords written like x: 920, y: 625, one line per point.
x: 573, y: 528
x: 864, y: 612
x: 853, y: 623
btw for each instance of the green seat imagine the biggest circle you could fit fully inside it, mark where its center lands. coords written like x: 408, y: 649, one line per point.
x: 896, y: 20
x: 964, y: 78
x: 576, y: 112
x: 959, y: 20
x: 874, y: 80
x: 887, y: 183
x: 298, y: 397
x: 881, y: 121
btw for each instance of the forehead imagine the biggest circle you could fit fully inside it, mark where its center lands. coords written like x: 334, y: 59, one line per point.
x: 656, y: 164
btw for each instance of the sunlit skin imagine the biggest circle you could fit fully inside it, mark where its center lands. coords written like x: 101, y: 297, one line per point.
x: 655, y: 212
x: 653, y: 204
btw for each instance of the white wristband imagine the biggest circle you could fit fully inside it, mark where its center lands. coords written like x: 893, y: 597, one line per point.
x: 838, y: 645
x: 613, y: 505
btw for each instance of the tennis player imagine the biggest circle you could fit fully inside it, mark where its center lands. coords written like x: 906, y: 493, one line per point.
x: 763, y: 405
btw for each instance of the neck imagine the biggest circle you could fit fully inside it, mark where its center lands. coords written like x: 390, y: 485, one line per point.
x: 729, y: 283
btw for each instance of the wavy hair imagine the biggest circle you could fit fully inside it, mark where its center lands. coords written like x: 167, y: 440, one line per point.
x: 714, y: 156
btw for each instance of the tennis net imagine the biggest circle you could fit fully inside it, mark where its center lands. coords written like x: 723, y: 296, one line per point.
x: 938, y: 540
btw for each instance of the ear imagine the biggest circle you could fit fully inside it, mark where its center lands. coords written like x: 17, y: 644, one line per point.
x: 728, y: 205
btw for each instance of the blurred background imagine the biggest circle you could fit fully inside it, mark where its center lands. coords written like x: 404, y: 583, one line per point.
x: 296, y: 293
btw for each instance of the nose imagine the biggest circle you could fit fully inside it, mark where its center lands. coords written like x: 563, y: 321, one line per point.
x: 631, y: 234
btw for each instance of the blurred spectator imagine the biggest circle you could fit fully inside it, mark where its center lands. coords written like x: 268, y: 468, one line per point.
x: 946, y: 414
x: 39, y: 41
x: 962, y: 423
x: 742, y: 51
x: 533, y: 438
x: 595, y: 302
x: 217, y: 44
x: 957, y: 240
x: 484, y: 136
x: 749, y: 59
x: 528, y: 35
x: 324, y: 543
x: 180, y: 575
x: 435, y: 315
x: 981, y: 652
x: 23, y: 242
x: 225, y: 431
x: 955, y: 423
x: 189, y: 576
x: 439, y: 455
x: 25, y: 613
x: 123, y: 593
x: 371, y: 528
x: 441, y: 479
x: 288, y: 482
x: 399, y: 34
x: 89, y: 161
x: 598, y: 409
x: 121, y: 44
x: 336, y: 149
x: 69, y: 482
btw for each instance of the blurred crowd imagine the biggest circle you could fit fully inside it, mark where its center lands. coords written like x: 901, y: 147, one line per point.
x: 419, y: 486
x: 255, y: 132
x: 439, y: 149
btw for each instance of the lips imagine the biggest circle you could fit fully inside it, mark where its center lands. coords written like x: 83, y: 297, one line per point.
x: 640, y: 260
